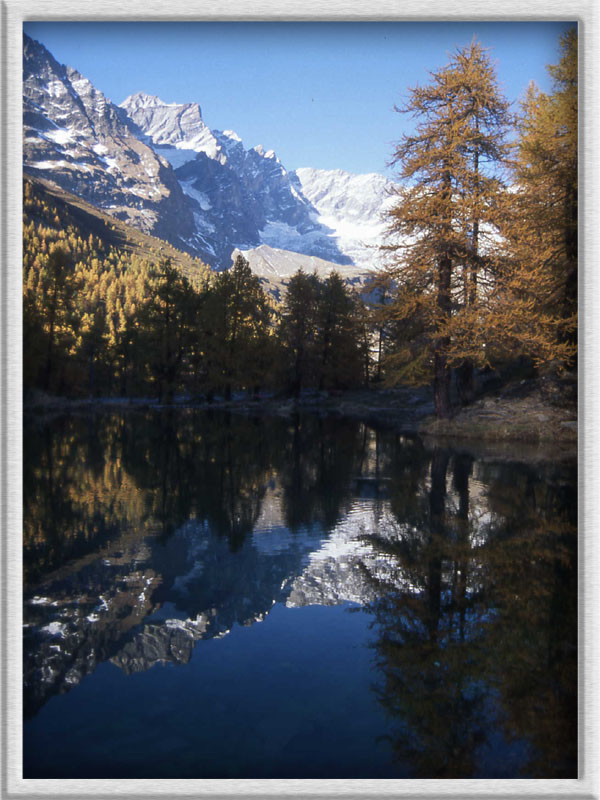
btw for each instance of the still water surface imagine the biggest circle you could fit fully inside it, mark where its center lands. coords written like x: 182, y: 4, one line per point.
x: 215, y: 596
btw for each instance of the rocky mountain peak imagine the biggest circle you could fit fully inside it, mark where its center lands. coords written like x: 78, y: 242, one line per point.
x: 174, y: 124
x: 75, y: 137
x: 144, y: 100
x: 232, y: 135
x: 160, y: 168
x: 37, y: 61
x: 266, y: 153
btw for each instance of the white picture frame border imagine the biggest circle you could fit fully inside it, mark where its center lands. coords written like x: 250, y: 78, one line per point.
x: 12, y: 15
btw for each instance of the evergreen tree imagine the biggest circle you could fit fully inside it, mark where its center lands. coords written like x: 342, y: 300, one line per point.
x: 166, y: 320
x: 235, y: 329
x: 93, y: 344
x: 322, y: 334
x: 56, y: 307
x: 297, y: 331
x: 338, y: 344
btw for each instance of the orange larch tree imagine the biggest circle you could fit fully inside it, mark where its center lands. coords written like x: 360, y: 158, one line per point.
x: 443, y: 229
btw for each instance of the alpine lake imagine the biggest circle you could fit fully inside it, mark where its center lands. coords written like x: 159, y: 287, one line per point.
x: 217, y: 595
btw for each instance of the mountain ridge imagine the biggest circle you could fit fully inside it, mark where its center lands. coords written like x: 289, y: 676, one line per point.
x: 158, y: 167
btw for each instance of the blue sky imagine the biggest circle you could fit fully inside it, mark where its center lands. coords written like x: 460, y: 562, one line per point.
x: 319, y: 94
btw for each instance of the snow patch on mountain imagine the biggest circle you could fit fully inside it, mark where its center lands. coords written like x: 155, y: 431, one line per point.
x: 60, y: 136
x: 200, y: 197
x: 283, y: 236
x: 353, y: 207
x: 74, y: 136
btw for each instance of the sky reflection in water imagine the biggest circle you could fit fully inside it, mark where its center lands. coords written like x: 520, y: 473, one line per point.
x: 210, y: 595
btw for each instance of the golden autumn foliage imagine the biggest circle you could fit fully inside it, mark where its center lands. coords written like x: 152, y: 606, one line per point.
x: 483, y: 270
x: 100, y: 319
x: 443, y: 228
x: 539, y: 291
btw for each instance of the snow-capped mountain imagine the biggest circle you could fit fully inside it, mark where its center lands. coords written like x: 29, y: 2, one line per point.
x: 353, y: 207
x: 243, y: 197
x: 159, y: 167
x: 74, y: 136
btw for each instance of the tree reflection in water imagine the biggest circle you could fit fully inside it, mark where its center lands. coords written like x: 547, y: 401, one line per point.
x: 476, y: 591
x: 147, y: 531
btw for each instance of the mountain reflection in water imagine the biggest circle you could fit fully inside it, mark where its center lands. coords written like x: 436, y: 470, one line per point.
x: 147, y: 535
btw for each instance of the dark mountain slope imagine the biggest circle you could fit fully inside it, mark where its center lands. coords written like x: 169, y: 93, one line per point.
x: 88, y: 219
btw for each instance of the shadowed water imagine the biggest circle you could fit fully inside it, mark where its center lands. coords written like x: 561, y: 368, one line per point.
x: 215, y: 596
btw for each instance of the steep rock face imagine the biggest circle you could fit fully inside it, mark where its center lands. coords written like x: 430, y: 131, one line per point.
x: 74, y: 136
x: 160, y: 168
x: 241, y: 198
x: 170, y: 124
